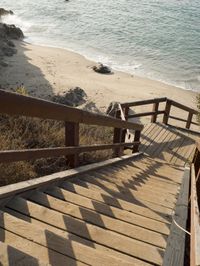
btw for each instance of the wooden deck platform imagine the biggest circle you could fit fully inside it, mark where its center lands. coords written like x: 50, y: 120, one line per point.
x: 167, y: 143
x: 115, y: 213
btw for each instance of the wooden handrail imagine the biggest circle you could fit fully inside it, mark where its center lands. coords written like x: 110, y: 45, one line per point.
x: 32, y: 154
x: 195, y: 220
x: 143, y: 102
x: 146, y: 114
x: 183, y: 107
x: 16, y: 104
x: 167, y: 112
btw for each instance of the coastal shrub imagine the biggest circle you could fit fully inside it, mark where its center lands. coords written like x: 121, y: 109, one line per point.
x: 19, y: 132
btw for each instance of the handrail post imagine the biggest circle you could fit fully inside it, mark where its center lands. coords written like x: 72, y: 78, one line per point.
x: 155, y: 109
x: 167, y: 111
x: 189, y: 120
x: 117, y: 137
x: 126, y: 112
x: 72, y: 139
x: 136, y: 138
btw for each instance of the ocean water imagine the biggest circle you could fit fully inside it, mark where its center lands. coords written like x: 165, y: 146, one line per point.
x: 158, y: 39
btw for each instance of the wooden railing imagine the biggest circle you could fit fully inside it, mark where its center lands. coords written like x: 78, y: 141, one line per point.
x: 16, y: 104
x: 195, y: 205
x: 166, y: 111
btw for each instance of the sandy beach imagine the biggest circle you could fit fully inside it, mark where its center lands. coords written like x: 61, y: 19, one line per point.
x: 45, y: 71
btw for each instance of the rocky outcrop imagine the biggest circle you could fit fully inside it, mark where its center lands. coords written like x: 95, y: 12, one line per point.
x: 7, y: 34
x: 4, y: 12
x: 74, y: 97
x: 102, y: 69
x: 10, y: 32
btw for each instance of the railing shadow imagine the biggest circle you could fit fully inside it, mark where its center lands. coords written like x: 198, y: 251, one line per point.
x: 159, y: 145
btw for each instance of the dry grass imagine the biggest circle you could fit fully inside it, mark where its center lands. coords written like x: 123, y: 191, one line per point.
x: 28, y: 133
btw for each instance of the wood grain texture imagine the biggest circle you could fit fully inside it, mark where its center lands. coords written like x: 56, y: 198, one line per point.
x: 175, y: 250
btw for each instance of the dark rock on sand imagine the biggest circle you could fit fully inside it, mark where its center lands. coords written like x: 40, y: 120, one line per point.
x: 102, y: 69
x: 74, y: 97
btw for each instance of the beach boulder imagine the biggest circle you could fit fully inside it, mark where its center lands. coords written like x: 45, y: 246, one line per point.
x: 102, y: 69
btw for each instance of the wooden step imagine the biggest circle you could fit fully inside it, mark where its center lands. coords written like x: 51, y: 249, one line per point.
x: 54, y: 242
x: 29, y: 247
x: 140, y: 202
x: 128, y: 194
x: 99, y: 235
x: 93, y: 217
x: 98, y: 197
x: 72, y: 237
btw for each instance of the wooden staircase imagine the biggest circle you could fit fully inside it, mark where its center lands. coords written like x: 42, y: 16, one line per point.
x: 122, y: 211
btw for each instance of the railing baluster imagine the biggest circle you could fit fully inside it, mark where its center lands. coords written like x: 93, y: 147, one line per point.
x: 167, y: 111
x: 117, y: 137
x: 155, y: 109
x: 189, y: 120
x: 72, y: 139
x: 136, y: 138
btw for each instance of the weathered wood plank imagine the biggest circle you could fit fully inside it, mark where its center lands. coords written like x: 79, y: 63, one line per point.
x: 54, y: 242
x: 183, y: 107
x: 116, y: 241
x: 167, y: 111
x: 195, y: 223
x: 146, y: 114
x: 68, y: 195
x: 174, y: 253
x: 20, y: 187
x: 98, y: 197
x: 150, y: 139
x: 96, y: 218
x: 10, y: 255
x: 72, y: 237
x: 72, y: 139
x: 16, y: 104
x: 137, y: 183
x: 136, y: 177
x: 130, y: 194
x: 155, y: 110
x: 143, y: 102
x: 32, y: 154
x: 154, y: 207
x: 16, y: 250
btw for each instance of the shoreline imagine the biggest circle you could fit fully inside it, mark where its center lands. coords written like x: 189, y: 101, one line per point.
x: 46, y: 70
x: 112, y: 65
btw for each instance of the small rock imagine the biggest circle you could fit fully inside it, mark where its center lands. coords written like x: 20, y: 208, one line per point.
x: 102, y: 69
x: 8, y: 51
x: 3, y: 64
x: 10, y: 43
